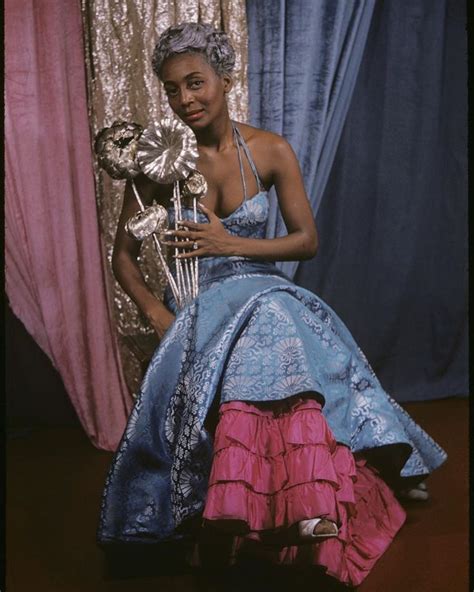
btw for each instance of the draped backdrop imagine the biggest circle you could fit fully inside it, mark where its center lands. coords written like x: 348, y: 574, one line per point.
x: 388, y: 194
x: 304, y: 58
x: 58, y: 238
x: 54, y: 265
x: 393, y: 219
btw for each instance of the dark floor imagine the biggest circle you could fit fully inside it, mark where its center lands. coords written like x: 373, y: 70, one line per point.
x: 55, y: 479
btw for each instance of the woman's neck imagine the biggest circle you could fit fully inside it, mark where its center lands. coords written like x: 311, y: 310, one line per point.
x: 217, y: 136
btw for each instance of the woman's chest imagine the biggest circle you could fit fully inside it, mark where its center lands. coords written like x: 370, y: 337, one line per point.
x: 229, y: 180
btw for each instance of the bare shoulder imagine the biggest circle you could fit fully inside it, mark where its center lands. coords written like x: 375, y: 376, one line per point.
x: 257, y: 137
x: 271, y: 151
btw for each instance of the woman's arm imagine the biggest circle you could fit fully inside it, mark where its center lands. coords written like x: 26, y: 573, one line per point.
x: 302, y: 240
x: 124, y: 259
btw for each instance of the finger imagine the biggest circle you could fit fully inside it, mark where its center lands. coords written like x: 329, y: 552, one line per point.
x: 190, y: 224
x: 192, y: 253
x: 179, y: 244
x: 185, y: 234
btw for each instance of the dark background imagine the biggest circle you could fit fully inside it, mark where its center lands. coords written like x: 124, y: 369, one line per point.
x: 35, y: 394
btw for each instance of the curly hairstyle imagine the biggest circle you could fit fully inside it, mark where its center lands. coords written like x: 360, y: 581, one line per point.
x: 199, y: 38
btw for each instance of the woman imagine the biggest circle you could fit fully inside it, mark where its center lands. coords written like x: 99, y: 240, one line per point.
x: 259, y: 419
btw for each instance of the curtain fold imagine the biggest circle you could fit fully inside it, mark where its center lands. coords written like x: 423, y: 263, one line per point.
x: 303, y: 62
x: 54, y: 269
x: 120, y: 37
x: 393, y: 220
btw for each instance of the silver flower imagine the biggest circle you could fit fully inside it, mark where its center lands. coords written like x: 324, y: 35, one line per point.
x: 195, y: 186
x: 116, y: 149
x: 146, y: 222
x: 167, y: 151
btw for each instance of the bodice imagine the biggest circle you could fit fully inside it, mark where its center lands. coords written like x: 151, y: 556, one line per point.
x: 248, y: 220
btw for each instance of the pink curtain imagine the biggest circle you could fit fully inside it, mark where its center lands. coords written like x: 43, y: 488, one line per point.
x: 54, y: 275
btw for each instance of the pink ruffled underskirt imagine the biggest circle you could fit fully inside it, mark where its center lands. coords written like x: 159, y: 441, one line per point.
x: 277, y: 464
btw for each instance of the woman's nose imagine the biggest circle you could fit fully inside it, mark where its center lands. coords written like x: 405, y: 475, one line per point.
x: 186, y: 97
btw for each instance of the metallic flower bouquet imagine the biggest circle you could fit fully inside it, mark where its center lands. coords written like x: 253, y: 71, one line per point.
x: 167, y: 153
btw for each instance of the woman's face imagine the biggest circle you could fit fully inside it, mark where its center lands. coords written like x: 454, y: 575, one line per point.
x: 195, y: 92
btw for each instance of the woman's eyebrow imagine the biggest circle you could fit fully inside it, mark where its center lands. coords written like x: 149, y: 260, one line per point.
x: 187, y: 76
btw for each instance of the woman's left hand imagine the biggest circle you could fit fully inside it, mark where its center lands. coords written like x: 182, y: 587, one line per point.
x: 205, y: 240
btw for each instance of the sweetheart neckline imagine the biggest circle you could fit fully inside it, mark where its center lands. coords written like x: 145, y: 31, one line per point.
x: 232, y: 213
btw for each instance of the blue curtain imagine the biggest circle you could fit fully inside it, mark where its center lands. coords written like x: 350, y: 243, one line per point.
x: 393, y: 219
x: 304, y: 56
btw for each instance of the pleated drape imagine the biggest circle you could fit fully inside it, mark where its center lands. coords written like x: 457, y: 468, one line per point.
x: 54, y: 265
x: 393, y: 219
x: 304, y: 58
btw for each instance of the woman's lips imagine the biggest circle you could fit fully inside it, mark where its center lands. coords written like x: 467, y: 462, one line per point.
x: 194, y: 116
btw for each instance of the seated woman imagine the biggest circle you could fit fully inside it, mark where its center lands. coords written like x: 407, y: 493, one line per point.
x: 258, y: 417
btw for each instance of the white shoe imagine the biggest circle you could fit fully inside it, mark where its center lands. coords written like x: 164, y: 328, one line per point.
x: 306, y: 529
x: 418, y: 493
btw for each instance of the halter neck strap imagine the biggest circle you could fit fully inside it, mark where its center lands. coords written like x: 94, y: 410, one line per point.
x: 240, y: 142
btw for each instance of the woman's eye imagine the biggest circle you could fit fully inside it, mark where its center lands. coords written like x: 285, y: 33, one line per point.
x: 196, y: 83
x: 171, y: 92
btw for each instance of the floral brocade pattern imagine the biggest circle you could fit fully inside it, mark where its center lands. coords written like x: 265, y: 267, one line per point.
x: 250, y: 335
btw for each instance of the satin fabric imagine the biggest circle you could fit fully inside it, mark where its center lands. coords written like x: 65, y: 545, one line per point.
x: 159, y: 477
x: 277, y: 464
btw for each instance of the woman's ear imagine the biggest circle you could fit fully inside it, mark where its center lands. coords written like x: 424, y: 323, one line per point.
x: 228, y: 82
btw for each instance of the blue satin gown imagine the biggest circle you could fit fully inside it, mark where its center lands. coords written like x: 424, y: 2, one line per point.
x: 251, y: 335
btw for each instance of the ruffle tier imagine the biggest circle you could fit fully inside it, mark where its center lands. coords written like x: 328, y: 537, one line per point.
x: 273, y: 468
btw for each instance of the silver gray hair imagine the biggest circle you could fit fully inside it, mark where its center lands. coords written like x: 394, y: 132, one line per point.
x: 199, y: 38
